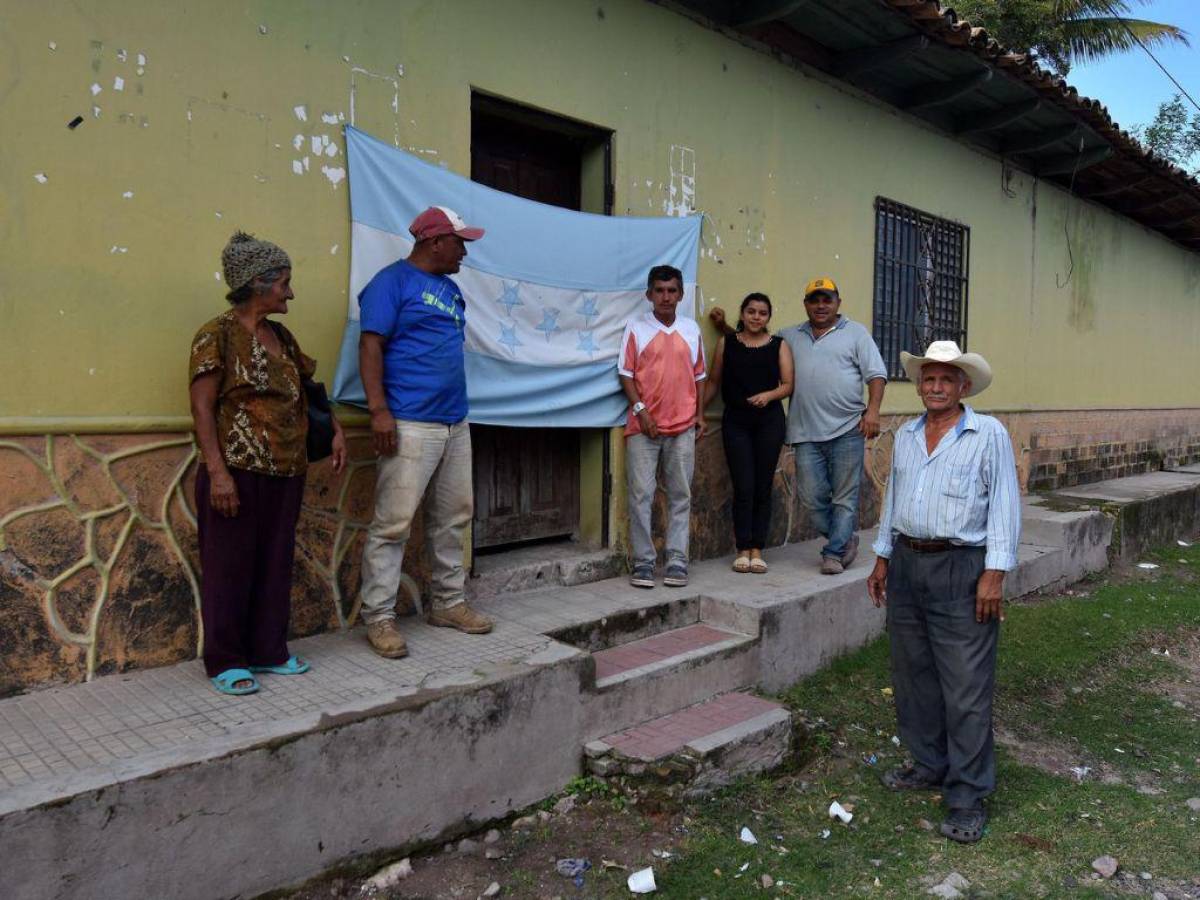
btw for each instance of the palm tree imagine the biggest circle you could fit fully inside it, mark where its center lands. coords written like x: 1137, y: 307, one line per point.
x: 1061, y: 33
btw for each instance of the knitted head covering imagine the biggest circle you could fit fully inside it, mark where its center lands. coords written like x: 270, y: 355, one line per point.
x: 245, y: 256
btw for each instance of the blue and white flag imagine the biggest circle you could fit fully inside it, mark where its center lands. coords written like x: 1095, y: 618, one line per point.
x: 548, y: 291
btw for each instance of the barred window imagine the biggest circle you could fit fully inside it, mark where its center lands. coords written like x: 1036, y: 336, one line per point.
x: 920, y: 282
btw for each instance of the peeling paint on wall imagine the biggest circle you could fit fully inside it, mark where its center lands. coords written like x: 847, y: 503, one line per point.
x: 359, y: 78
x: 681, y: 190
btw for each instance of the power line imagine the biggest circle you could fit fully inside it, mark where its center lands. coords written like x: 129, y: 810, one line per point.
x: 1140, y: 43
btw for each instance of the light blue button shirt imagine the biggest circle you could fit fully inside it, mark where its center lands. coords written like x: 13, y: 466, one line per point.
x: 965, y: 492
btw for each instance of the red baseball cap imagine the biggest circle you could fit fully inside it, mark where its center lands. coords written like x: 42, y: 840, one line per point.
x: 438, y: 220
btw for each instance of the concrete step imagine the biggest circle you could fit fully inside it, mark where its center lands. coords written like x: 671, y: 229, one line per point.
x: 704, y: 746
x: 664, y: 672
x: 545, y: 565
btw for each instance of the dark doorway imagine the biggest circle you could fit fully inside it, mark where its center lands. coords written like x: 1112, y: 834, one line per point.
x: 527, y: 480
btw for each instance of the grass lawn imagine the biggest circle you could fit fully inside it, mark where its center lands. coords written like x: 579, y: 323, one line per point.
x: 1105, y: 677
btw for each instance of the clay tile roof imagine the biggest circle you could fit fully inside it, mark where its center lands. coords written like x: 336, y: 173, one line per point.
x: 944, y: 25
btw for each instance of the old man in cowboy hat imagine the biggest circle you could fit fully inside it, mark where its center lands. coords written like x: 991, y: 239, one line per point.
x: 948, y: 533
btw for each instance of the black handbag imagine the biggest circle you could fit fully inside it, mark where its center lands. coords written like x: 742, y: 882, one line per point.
x: 320, y: 421
x: 319, y: 443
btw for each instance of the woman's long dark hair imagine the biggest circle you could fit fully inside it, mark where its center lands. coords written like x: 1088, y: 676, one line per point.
x: 750, y: 298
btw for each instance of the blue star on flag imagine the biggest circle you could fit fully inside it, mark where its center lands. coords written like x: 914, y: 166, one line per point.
x: 549, y: 324
x: 587, y: 344
x: 508, y: 337
x: 511, y: 297
x: 588, y: 308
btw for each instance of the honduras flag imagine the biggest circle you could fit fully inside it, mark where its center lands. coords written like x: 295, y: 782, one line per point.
x: 548, y: 291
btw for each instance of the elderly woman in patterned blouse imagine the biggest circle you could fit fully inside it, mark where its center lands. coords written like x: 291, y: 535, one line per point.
x: 248, y: 404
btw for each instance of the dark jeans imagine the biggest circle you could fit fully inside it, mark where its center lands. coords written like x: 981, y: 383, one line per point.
x: 943, y: 669
x: 752, y: 448
x: 246, y: 570
x: 828, y: 475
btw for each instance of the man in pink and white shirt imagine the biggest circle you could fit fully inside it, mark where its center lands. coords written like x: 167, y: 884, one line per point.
x: 661, y: 362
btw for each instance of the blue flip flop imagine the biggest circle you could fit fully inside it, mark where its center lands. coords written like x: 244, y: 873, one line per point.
x: 294, y: 666
x: 224, y: 683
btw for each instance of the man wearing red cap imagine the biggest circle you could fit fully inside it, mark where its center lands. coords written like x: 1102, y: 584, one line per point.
x: 413, y: 322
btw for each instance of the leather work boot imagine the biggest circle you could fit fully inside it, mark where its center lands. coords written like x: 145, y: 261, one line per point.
x: 385, y: 639
x: 462, y: 617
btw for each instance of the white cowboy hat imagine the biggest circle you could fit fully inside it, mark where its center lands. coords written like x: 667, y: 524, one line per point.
x: 947, y: 353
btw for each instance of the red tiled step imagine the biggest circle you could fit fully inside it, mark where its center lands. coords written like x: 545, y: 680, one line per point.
x: 671, y: 733
x: 659, y: 650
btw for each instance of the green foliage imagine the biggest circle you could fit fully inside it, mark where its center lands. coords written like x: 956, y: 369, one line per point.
x: 1172, y: 135
x: 1061, y: 33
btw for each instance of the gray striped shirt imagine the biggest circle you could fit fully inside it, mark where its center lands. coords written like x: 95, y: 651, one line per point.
x: 965, y: 492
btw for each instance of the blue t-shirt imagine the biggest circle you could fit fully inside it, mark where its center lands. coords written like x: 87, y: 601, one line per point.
x: 423, y: 318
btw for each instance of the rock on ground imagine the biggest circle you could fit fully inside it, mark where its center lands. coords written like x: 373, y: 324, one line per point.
x: 1105, y: 866
x: 390, y: 876
x: 492, y: 890
x: 1193, y: 804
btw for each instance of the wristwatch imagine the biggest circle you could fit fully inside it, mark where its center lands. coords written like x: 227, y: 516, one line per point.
x: 639, y: 408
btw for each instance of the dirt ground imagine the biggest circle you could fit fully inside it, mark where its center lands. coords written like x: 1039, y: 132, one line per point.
x: 616, y: 841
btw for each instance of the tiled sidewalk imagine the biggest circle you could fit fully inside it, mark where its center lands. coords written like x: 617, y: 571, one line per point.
x: 75, y: 728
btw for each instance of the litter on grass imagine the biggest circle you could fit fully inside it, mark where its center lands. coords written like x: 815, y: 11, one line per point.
x: 1147, y: 565
x: 825, y: 834
x: 570, y: 868
x: 1183, y: 543
x: 747, y: 836
x: 1080, y: 772
x: 642, y: 881
x: 836, y: 810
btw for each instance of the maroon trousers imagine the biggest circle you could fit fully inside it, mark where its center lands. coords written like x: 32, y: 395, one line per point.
x: 246, y: 570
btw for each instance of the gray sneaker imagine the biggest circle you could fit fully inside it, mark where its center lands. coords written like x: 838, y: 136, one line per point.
x: 851, y: 553
x: 642, y: 576
x: 676, y: 576
x: 831, y: 565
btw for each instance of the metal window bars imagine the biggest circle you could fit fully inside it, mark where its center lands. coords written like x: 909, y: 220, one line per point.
x: 921, y: 275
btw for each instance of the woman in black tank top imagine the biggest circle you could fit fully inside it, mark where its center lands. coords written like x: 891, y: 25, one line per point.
x: 754, y: 372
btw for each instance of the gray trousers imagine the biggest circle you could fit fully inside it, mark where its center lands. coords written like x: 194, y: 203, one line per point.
x: 677, y: 454
x: 943, y: 669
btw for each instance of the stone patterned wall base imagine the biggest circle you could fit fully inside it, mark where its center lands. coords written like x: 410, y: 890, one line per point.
x: 98, y: 568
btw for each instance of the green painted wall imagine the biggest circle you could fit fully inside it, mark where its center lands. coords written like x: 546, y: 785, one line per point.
x: 100, y: 292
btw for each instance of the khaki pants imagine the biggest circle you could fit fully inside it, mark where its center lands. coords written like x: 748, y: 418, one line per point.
x: 432, y: 461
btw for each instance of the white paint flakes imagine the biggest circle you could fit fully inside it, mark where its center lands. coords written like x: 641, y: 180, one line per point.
x: 53, y: 46
x: 400, y: 70
x: 122, y: 55
x: 189, y: 115
x: 40, y: 177
x: 95, y: 112
x: 681, y: 192
x: 301, y: 112
x: 116, y: 249
x: 331, y: 150
x: 128, y: 195
x: 315, y: 142
x: 334, y: 174
x: 345, y: 58
x: 141, y: 70
x: 218, y: 214
x: 297, y: 167
x: 333, y: 250
x: 306, y: 164
x: 262, y: 29
x: 298, y: 141
x: 118, y: 83
x: 141, y: 60
x: 217, y: 275
x: 332, y: 118
x: 96, y: 89
x: 92, y: 371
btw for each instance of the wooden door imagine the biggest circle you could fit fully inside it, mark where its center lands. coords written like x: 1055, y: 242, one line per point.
x: 526, y: 479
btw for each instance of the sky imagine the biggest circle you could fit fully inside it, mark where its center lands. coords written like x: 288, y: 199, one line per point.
x: 1130, y: 84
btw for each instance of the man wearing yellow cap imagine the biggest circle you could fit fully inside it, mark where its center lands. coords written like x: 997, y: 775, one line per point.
x: 828, y: 421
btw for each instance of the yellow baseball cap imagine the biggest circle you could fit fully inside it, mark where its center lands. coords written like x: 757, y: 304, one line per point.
x: 821, y: 286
